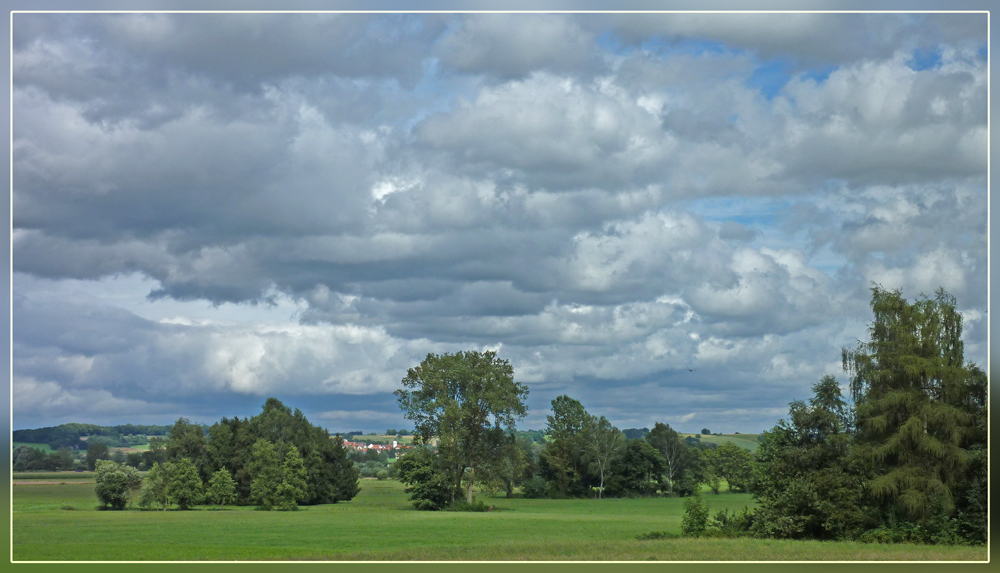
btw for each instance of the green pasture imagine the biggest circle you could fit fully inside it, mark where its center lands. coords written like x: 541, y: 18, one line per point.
x: 382, y: 439
x: 54, y: 476
x: 61, y: 522
x: 747, y: 441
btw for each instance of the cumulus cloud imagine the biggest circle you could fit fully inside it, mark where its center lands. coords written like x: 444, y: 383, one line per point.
x: 665, y: 216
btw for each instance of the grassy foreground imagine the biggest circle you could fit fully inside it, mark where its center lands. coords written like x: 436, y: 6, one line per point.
x: 54, y: 522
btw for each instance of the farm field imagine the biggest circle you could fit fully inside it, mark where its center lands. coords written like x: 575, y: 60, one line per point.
x: 747, y: 441
x: 382, y: 439
x: 25, y: 478
x: 59, y: 522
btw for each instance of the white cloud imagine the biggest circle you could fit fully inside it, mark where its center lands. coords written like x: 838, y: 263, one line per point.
x: 661, y: 214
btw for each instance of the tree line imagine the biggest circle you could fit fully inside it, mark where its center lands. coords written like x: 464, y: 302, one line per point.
x: 467, y: 404
x: 69, y: 435
x: 276, y: 459
x: 903, y: 458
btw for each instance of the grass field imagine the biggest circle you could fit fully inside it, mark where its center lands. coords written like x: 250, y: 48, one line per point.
x: 22, y: 477
x: 748, y: 441
x: 382, y: 439
x: 60, y: 522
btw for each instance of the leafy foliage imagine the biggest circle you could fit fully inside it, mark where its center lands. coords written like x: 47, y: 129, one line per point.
x: 734, y: 464
x: 637, y: 469
x: 115, y: 484
x: 265, y: 473
x: 154, y: 492
x: 806, y: 484
x: 695, y: 520
x: 221, y: 488
x: 99, y: 451
x: 469, y: 401
x: 185, y: 487
x: 676, y: 459
x: 428, y: 483
x: 602, y: 443
x: 292, y: 488
x: 561, y: 462
x: 330, y: 475
x: 911, y: 389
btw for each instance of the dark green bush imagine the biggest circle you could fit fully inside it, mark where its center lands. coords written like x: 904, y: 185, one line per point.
x: 534, y: 488
x: 736, y: 524
x: 477, y: 505
x: 656, y: 535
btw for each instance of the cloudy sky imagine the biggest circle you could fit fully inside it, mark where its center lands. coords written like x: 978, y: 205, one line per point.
x: 670, y: 217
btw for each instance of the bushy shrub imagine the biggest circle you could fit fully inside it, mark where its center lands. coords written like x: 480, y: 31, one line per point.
x: 428, y: 485
x: 656, y: 535
x: 736, y: 524
x: 534, y: 488
x: 115, y: 484
x: 695, y: 520
x: 462, y: 505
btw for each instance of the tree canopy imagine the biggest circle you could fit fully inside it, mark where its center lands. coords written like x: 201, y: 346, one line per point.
x: 910, y: 386
x: 468, y: 401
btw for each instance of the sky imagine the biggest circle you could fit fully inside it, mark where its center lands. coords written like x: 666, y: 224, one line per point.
x: 669, y: 217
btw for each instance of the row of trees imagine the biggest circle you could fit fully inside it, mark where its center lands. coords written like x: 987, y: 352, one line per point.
x: 274, y: 459
x: 908, y: 462
x: 232, y: 444
x: 586, y: 453
x: 69, y: 435
x: 33, y: 459
x: 469, y: 403
x: 905, y: 459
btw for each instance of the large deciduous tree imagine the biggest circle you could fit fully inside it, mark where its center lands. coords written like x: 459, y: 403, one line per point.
x: 468, y: 401
x: 911, y: 390
x: 735, y: 465
x: 562, y: 459
x: 97, y: 450
x: 185, y: 487
x: 602, y: 443
x: 674, y: 451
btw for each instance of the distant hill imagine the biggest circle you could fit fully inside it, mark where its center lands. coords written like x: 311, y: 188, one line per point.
x: 746, y: 441
x: 69, y: 435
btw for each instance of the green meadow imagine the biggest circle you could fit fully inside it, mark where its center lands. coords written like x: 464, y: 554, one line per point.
x: 55, y: 522
x: 746, y: 441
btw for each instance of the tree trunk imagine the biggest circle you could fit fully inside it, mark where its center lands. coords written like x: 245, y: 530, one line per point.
x: 472, y: 481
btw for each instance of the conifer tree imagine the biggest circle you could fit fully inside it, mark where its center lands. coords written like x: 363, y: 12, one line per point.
x: 909, y: 383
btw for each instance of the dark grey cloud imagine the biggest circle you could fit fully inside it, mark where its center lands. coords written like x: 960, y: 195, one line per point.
x: 809, y: 38
x: 621, y: 205
x: 511, y: 46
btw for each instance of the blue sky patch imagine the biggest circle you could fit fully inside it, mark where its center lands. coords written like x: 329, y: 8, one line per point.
x: 771, y: 77
x: 924, y: 59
